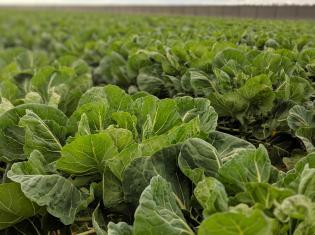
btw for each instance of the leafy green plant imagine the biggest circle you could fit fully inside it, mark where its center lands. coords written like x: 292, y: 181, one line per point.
x: 153, y: 125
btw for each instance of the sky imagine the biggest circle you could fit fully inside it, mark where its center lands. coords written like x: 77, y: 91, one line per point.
x: 155, y: 2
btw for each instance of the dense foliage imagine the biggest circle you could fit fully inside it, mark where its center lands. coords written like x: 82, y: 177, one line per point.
x: 156, y: 125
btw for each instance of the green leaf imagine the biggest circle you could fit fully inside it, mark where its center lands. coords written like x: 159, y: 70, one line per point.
x: 266, y: 195
x: 311, y: 160
x: 155, y: 117
x: 9, y: 90
x: 98, y: 221
x: 120, y: 228
x: 139, y: 172
x: 61, y: 87
x: 211, y: 195
x: 149, y: 82
x: 158, y: 212
x: 62, y: 199
x: 144, y: 109
x: 119, y: 163
x: 300, y: 117
x: 258, y: 92
x: 302, y: 121
x: 237, y: 223
x: 195, y: 81
x: 117, y: 99
x: 253, y: 98
x: 87, y: 154
x: 14, y: 206
x: 70, y: 95
x: 292, y: 178
x: 99, y: 104
x: 252, y: 165
x: 294, y: 88
x: 307, y: 182
x: 294, y: 207
x: 112, y: 190
x: 33, y: 97
x: 184, y: 131
x: 112, y: 68
x: 96, y: 113
x: 83, y: 125
x: 48, y: 77
x: 305, y: 228
x: 5, y: 105
x: 227, y: 146
x: 198, y: 159
x: 189, y: 108
x: 122, y: 138
x: 229, y: 60
x: 47, y: 136
x: 94, y: 94
x: 307, y: 135
x: 165, y: 117
x: 126, y: 120
x: 12, y: 136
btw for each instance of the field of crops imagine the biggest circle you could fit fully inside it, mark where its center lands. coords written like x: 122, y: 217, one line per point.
x: 142, y: 125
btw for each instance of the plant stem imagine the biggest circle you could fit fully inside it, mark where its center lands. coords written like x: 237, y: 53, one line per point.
x: 8, y: 167
x: 91, y: 231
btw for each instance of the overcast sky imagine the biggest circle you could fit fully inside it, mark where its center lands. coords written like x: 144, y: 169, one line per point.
x: 161, y: 2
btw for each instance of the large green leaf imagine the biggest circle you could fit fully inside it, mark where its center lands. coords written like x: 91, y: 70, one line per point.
x: 117, y: 99
x: 237, y: 223
x: 62, y: 199
x: 258, y: 92
x: 155, y: 117
x: 158, y: 212
x: 14, y: 206
x: 12, y: 136
x: 87, y: 154
x: 198, y: 159
x: 47, y: 136
x: 252, y: 165
x: 139, y: 172
x: 227, y: 146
